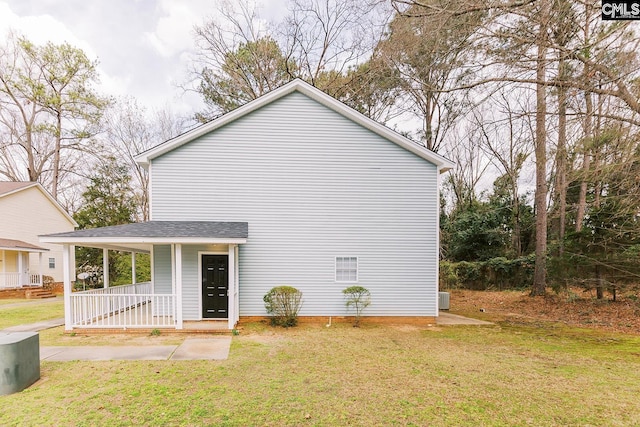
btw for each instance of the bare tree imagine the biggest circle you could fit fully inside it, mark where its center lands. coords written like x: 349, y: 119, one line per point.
x: 130, y: 131
x: 430, y: 55
x: 506, y: 129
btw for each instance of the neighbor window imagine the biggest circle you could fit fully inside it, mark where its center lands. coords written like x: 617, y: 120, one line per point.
x: 346, y: 269
x: 52, y: 263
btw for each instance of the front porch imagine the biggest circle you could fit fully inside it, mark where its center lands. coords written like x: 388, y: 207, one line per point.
x: 15, y: 260
x: 190, y: 262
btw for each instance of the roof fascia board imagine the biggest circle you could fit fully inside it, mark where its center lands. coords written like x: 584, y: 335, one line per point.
x: 139, y: 240
x: 314, y: 93
x: 21, y: 249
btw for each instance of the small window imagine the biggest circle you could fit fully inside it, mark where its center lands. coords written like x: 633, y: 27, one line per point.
x: 52, y: 263
x: 346, y: 269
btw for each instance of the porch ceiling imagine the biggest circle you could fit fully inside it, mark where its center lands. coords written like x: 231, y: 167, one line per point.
x: 139, y: 237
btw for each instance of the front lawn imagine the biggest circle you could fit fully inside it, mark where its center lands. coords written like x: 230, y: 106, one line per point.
x: 376, y: 375
x: 30, y: 313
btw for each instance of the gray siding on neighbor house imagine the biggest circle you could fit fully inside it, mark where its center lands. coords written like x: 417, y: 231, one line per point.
x: 312, y: 185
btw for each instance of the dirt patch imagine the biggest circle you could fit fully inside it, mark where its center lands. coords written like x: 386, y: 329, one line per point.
x: 574, y: 307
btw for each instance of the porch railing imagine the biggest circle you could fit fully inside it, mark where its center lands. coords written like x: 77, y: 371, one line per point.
x: 12, y: 280
x: 127, y: 306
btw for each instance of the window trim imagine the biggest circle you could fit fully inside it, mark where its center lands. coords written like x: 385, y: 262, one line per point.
x: 343, y: 258
x: 52, y: 261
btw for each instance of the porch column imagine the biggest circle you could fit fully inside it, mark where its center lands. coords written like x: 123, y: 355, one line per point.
x: 66, y: 279
x: 40, y: 269
x: 237, y: 282
x: 231, y: 315
x: 4, y: 269
x: 133, y: 268
x: 21, y: 281
x: 105, y: 267
x: 177, y: 269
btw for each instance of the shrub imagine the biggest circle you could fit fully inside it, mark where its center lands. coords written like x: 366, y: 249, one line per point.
x: 495, y: 273
x: 359, y: 298
x: 283, y: 304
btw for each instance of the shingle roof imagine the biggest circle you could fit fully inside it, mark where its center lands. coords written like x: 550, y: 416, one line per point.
x: 9, y: 186
x: 168, y: 229
x: 19, y: 245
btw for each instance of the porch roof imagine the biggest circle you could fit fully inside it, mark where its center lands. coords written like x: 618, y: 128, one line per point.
x: 139, y: 237
x: 19, y: 245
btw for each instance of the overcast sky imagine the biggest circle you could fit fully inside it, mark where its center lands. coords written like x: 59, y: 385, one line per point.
x: 143, y: 46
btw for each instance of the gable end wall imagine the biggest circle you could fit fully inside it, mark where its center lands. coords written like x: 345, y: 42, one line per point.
x: 312, y: 185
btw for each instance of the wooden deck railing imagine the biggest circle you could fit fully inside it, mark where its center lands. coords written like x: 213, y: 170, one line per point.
x: 127, y: 306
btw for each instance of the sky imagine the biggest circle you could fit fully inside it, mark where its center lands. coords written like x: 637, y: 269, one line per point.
x: 143, y: 47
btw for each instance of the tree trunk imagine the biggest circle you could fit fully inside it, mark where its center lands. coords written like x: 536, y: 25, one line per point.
x: 561, y: 159
x: 586, y: 161
x: 599, y: 287
x: 56, y: 157
x: 540, y: 271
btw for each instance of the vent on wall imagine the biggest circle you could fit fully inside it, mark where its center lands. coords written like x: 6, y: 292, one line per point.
x: 443, y: 300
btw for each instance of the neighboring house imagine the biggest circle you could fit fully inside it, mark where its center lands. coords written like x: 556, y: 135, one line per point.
x: 26, y: 211
x: 294, y: 188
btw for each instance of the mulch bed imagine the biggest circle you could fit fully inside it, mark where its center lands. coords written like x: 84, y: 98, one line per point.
x: 575, y: 307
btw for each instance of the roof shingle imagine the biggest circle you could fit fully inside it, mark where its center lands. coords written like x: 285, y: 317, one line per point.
x: 169, y: 229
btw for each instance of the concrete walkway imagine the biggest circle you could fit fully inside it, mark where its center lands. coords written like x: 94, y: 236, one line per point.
x: 35, y: 327
x: 445, y: 318
x: 211, y: 348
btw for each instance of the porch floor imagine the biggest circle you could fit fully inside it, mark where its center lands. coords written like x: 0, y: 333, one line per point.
x: 141, y: 317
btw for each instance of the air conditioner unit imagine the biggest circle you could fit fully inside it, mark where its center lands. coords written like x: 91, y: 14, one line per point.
x: 443, y: 298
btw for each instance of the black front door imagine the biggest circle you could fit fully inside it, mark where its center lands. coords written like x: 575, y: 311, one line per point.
x: 215, y: 284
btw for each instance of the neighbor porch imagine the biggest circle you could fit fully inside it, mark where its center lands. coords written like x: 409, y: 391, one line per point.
x: 14, y: 264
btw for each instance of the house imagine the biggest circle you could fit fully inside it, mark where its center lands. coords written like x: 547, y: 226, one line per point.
x: 293, y: 188
x: 26, y: 211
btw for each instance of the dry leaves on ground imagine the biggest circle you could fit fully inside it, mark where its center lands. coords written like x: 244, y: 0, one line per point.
x: 575, y: 307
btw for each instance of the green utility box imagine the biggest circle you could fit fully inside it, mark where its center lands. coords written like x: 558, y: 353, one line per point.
x: 19, y: 361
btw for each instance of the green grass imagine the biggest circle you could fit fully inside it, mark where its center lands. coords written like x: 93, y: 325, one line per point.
x: 12, y: 301
x: 375, y: 375
x: 30, y: 313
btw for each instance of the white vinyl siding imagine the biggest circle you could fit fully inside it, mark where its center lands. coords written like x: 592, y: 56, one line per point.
x: 162, y: 269
x: 346, y: 269
x: 311, y: 185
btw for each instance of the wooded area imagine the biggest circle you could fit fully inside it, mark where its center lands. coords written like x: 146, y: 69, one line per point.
x: 536, y: 101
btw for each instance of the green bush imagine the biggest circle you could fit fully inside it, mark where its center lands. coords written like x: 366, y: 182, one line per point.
x: 495, y: 273
x: 359, y: 298
x: 283, y: 304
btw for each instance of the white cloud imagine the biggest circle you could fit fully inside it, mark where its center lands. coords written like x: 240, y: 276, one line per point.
x: 174, y: 30
x: 40, y: 29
